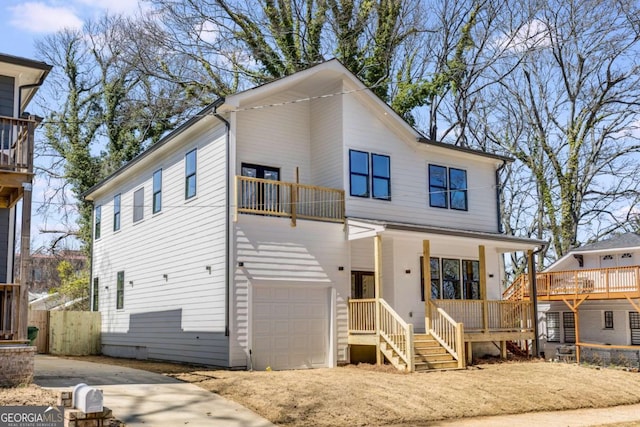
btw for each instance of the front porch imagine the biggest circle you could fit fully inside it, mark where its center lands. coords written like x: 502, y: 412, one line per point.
x: 454, y: 324
x: 458, y: 282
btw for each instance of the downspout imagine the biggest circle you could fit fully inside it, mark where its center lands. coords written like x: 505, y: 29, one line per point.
x: 498, y: 187
x: 227, y: 237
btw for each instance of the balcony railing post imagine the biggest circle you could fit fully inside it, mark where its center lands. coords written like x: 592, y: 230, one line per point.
x: 293, y: 188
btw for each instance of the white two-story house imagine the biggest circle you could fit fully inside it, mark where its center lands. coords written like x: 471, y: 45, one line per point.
x: 292, y: 225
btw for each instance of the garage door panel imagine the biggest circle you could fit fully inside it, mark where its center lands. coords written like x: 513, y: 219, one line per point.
x: 290, y: 327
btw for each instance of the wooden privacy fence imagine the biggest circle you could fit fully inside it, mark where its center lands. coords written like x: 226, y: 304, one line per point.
x: 69, y: 333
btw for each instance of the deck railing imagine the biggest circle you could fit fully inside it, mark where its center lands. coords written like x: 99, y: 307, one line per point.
x: 362, y: 316
x: 288, y: 199
x: 601, y: 282
x: 500, y: 315
x: 8, y: 304
x: 16, y: 144
x: 448, y: 332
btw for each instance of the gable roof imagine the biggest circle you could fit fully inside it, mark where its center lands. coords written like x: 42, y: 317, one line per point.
x: 619, y: 241
x: 332, y: 68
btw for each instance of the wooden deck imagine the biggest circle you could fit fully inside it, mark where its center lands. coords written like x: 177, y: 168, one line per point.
x: 597, y: 284
x: 16, y: 158
x: 288, y: 199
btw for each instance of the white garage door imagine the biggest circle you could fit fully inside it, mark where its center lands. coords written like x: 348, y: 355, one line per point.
x: 290, y: 327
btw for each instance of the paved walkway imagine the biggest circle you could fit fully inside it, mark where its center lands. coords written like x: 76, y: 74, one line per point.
x: 144, y: 399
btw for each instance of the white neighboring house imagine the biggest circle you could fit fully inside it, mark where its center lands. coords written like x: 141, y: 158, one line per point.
x: 598, y: 284
x: 286, y: 225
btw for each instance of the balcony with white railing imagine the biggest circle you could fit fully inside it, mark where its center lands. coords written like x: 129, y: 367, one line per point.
x: 288, y: 199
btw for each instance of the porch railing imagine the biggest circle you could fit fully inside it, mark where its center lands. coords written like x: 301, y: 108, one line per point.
x: 8, y: 304
x: 500, y: 315
x: 394, y: 331
x: 288, y: 199
x: 362, y: 316
x: 397, y: 334
x: 448, y: 332
x: 16, y: 144
x: 599, y: 282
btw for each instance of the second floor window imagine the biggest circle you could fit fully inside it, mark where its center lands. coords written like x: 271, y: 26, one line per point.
x: 157, y: 191
x: 138, y: 204
x: 369, y: 175
x: 116, y: 212
x: 98, y: 224
x: 190, y: 174
x: 447, y: 188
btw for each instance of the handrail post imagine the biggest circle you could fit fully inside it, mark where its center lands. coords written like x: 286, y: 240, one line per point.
x: 294, y: 201
x: 460, y: 345
x: 410, y: 351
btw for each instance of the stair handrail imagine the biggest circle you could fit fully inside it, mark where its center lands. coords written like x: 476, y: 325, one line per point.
x: 397, y: 333
x: 448, y: 332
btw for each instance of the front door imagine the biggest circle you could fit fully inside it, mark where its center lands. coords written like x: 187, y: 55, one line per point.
x: 362, y: 285
x: 260, y: 196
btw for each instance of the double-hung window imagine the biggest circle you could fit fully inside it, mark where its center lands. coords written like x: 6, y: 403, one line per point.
x: 157, y: 191
x: 369, y: 175
x: 138, y: 205
x: 96, y: 290
x: 553, y: 326
x: 120, y: 290
x: 608, y: 319
x: 116, y: 212
x: 448, y: 188
x: 190, y: 174
x: 98, y: 222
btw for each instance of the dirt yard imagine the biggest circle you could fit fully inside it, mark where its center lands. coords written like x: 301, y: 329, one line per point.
x: 27, y: 396
x: 368, y: 395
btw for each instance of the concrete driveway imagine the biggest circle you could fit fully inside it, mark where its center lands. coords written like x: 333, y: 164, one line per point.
x: 141, y: 398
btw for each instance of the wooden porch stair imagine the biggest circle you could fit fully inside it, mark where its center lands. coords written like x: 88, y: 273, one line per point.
x: 428, y: 354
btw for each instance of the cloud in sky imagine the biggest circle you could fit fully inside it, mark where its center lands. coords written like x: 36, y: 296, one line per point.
x: 37, y: 17
x: 113, y: 6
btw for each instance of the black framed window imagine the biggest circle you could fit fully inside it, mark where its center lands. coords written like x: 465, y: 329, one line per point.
x: 553, y: 326
x: 95, y: 294
x: 458, y: 189
x: 120, y: 290
x: 116, y: 212
x: 434, y: 266
x: 453, y: 278
x: 569, y: 326
x: 438, y: 186
x: 608, y: 319
x: 448, y: 188
x: 98, y: 222
x: 138, y: 205
x: 359, y: 173
x: 157, y: 191
x: 380, y: 176
x: 369, y: 175
x: 363, y: 284
x: 190, y: 174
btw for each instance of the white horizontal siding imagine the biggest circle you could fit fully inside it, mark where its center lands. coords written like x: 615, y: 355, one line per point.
x: 365, y: 131
x: 273, y: 251
x: 326, y: 139
x: 179, y: 242
x: 276, y: 136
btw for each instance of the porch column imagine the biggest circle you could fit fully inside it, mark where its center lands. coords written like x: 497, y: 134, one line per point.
x: 377, y: 277
x: 483, y: 288
x: 533, y: 295
x: 426, y: 269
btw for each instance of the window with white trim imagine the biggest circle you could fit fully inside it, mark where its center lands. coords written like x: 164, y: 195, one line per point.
x: 553, y: 326
x: 138, y: 205
x: 116, y: 212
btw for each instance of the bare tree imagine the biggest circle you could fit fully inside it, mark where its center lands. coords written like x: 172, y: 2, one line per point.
x: 569, y: 114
